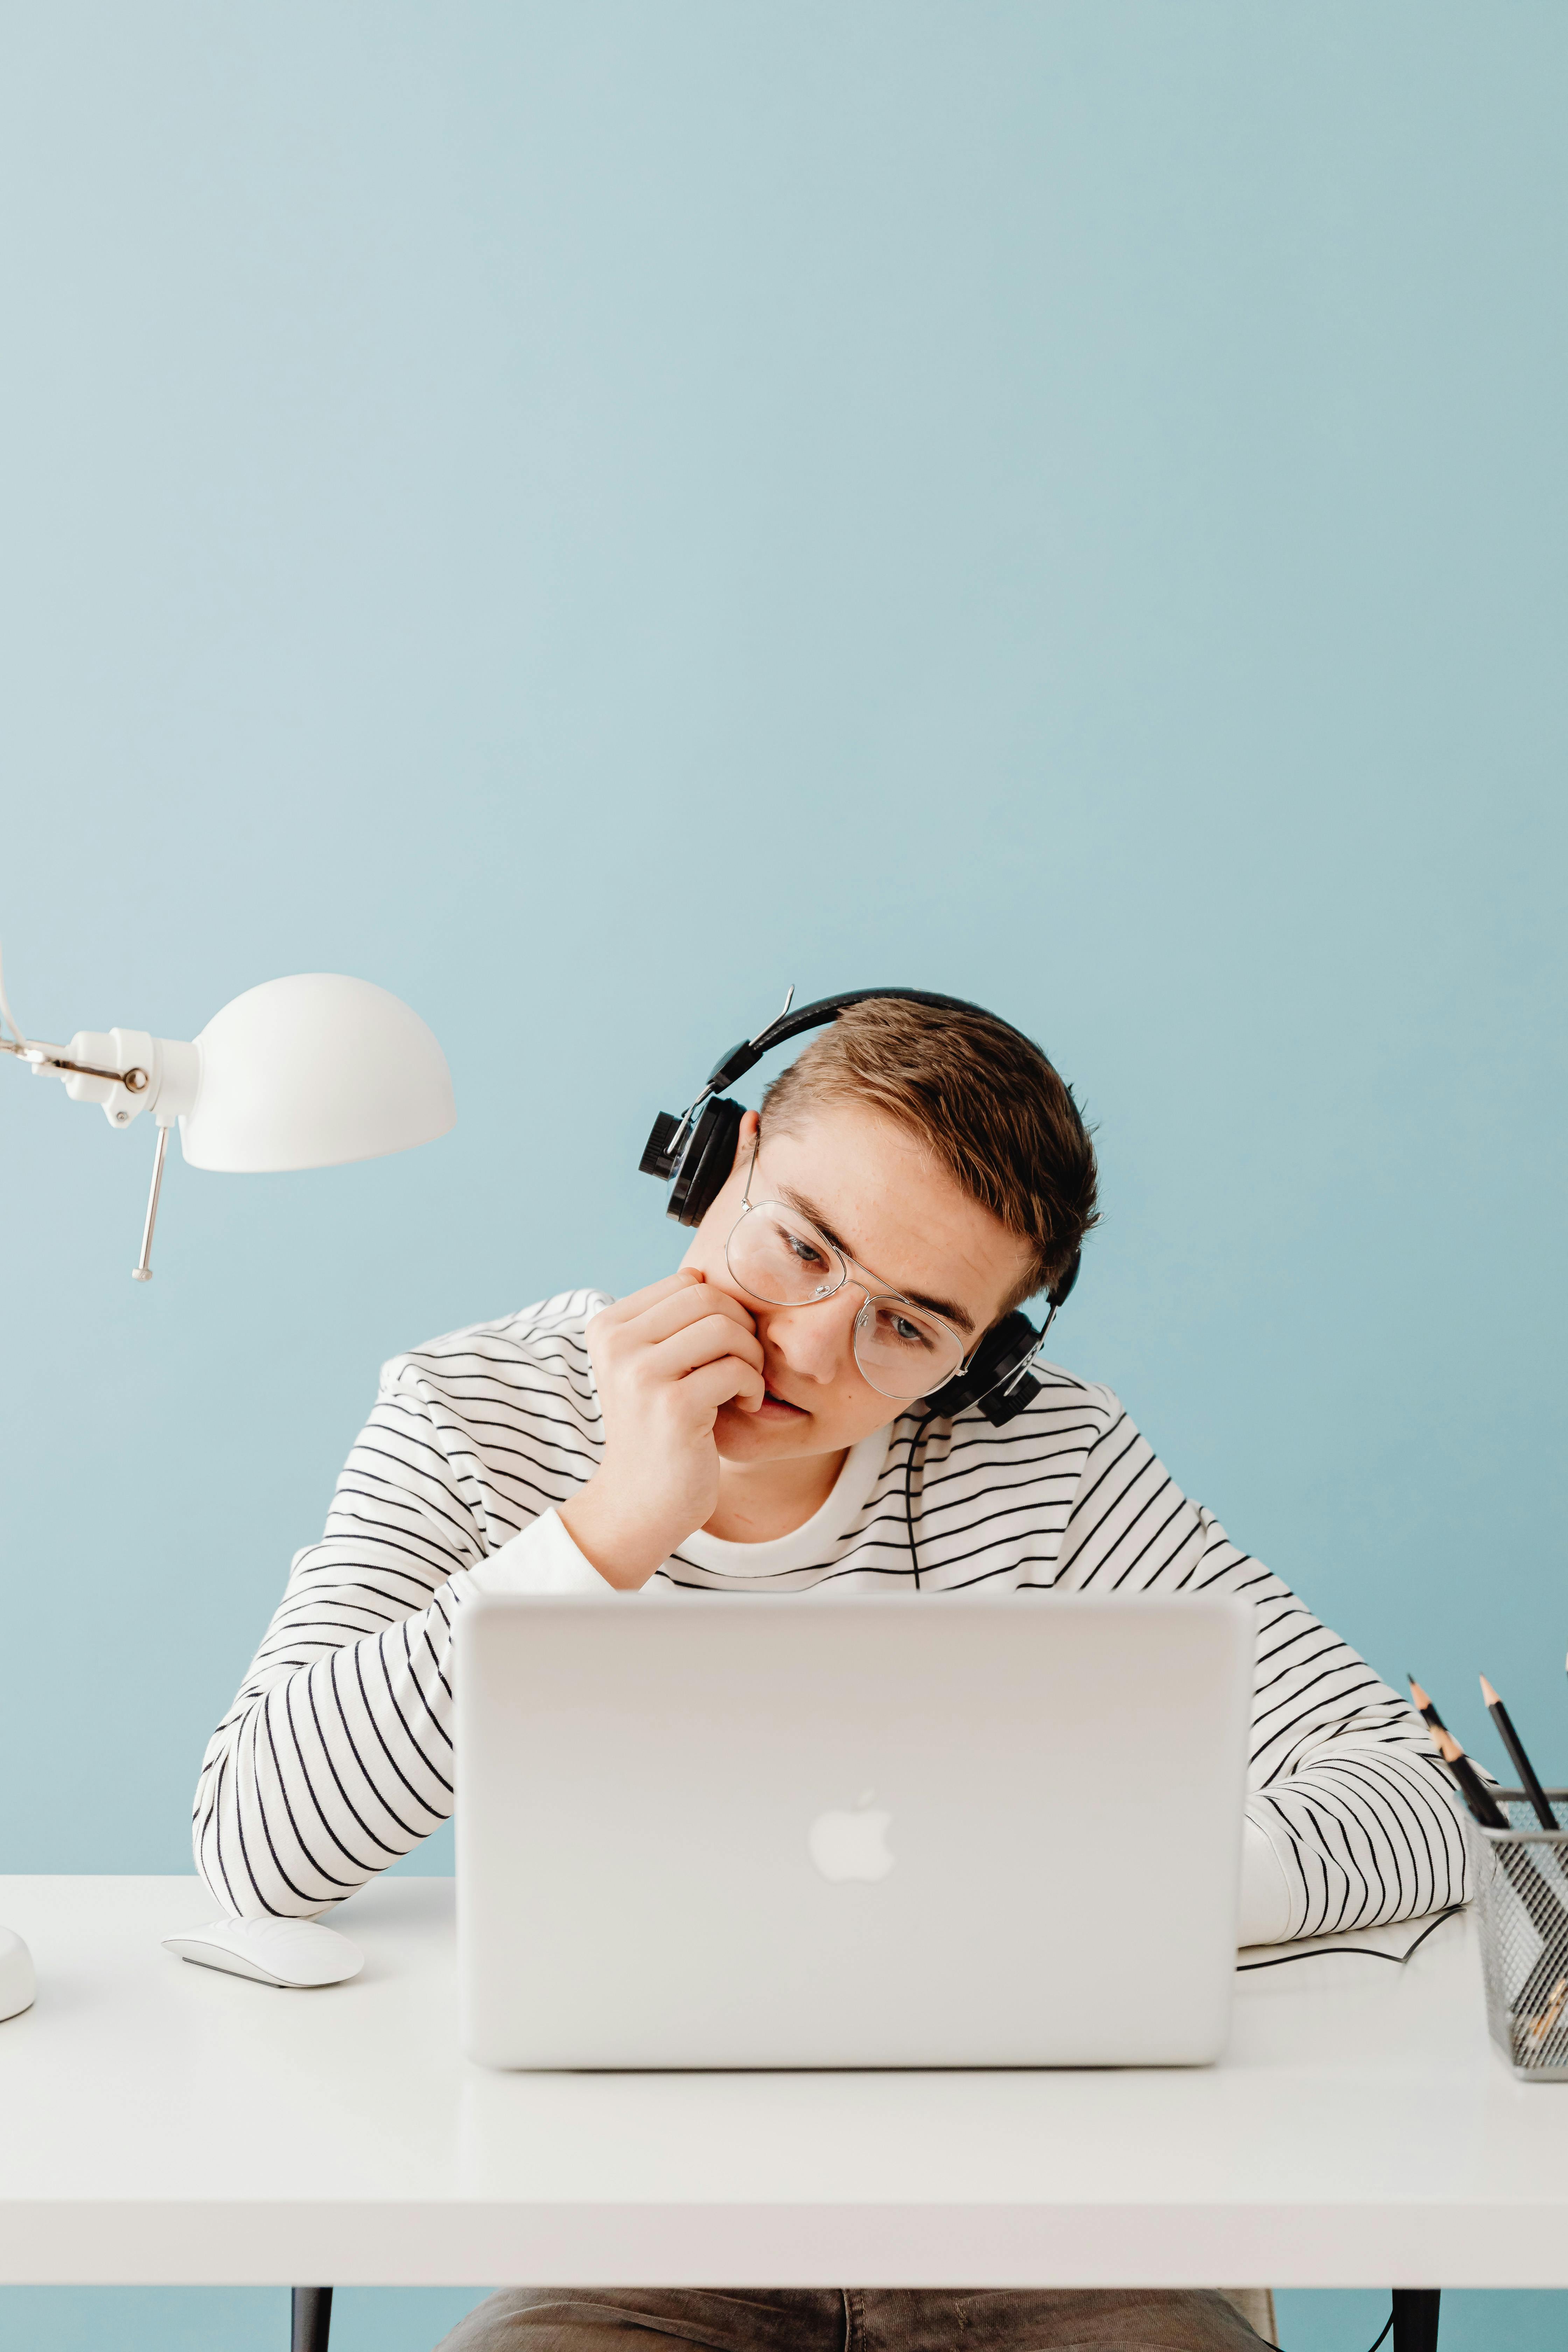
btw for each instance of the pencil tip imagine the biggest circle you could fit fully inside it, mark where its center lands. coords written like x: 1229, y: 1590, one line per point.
x: 1448, y: 1747
x: 1487, y: 1693
x: 1418, y: 1694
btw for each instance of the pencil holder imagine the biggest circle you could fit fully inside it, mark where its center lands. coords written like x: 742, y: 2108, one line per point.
x: 1522, y: 1902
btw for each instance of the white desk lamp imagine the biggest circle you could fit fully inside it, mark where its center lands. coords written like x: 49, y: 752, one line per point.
x: 301, y: 1073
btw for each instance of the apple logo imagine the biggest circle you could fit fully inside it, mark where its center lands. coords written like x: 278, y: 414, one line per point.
x: 851, y: 1845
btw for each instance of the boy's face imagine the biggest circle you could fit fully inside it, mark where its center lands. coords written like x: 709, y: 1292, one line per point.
x: 903, y: 1219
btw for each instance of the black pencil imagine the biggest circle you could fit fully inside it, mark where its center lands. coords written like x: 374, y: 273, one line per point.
x: 1511, y: 1739
x: 1424, y: 1709
x: 1476, y: 1793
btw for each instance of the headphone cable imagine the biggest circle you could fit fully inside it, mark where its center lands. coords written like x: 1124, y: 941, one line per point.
x: 1008, y: 1380
x: 916, y: 1434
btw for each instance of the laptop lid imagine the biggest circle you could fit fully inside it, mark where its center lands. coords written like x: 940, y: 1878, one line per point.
x: 799, y: 1832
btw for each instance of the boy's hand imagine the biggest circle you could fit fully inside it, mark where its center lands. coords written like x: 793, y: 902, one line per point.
x: 665, y: 1359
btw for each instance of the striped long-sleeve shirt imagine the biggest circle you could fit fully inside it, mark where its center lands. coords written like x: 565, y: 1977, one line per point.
x: 336, y: 1756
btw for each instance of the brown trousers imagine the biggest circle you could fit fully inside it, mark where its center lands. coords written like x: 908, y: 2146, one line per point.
x: 854, y: 2319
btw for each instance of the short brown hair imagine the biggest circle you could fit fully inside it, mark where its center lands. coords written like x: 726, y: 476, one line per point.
x: 981, y: 1098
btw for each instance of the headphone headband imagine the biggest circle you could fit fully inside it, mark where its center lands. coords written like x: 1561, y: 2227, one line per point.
x: 750, y: 1051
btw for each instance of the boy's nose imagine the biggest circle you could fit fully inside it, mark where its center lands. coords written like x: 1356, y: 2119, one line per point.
x: 818, y: 1342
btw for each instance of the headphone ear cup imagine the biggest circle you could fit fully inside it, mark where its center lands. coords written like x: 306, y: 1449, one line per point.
x: 706, y: 1162
x: 1010, y: 1343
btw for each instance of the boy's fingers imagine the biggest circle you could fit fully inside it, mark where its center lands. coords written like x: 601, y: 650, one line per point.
x: 726, y: 1381
x: 711, y: 1340
x: 637, y: 1302
x: 693, y: 1304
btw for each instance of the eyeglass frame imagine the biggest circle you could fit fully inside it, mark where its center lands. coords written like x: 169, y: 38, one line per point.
x: 872, y: 1298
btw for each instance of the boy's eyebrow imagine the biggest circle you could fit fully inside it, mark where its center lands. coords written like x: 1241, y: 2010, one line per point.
x: 948, y: 1309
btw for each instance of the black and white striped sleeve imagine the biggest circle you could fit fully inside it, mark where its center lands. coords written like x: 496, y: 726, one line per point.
x: 1345, y: 1784
x: 336, y: 1756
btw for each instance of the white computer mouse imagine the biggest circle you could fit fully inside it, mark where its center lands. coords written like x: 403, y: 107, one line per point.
x: 294, y: 1952
x: 17, y: 1982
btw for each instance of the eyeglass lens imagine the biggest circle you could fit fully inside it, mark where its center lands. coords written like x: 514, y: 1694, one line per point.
x: 781, y: 1259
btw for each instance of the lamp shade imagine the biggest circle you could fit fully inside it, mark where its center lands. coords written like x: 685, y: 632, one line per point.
x: 310, y: 1072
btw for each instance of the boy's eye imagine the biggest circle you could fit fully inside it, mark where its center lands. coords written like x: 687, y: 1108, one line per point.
x: 805, y: 1251
x: 910, y: 1335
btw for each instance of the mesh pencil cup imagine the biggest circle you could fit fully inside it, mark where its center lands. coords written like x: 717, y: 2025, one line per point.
x: 1521, y: 1904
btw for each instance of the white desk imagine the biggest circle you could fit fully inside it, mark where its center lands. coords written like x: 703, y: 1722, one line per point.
x: 161, y: 2123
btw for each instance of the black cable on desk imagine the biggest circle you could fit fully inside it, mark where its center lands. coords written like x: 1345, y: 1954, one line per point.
x: 1357, y: 1952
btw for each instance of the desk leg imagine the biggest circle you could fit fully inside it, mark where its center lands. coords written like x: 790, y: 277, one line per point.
x: 312, y: 2320
x: 1415, y: 2319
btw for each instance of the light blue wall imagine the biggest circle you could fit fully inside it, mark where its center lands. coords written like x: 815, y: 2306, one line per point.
x: 585, y: 513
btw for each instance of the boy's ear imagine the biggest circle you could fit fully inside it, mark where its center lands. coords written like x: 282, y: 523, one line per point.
x: 746, y: 1140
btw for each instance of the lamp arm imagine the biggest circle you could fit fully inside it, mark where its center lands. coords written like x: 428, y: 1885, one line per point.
x: 157, y: 1074
x: 142, y: 1269
x: 125, y: 1071
x: 44, y: 1057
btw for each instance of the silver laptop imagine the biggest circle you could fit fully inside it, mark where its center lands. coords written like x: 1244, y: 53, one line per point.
x: 791, y: 1832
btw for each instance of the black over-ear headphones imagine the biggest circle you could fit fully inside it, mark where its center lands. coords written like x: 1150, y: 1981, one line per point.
x: 695, y: 1153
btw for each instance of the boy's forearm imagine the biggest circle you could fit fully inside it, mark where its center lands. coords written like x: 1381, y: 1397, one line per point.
x: 327, y: 1774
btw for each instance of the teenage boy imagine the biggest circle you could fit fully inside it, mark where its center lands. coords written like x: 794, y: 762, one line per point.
x: 756, y: 1423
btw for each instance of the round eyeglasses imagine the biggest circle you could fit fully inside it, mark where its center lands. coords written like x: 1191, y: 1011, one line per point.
x: 778, y: 1256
